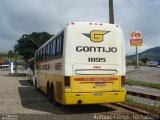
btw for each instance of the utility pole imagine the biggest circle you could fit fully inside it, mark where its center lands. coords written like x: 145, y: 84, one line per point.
x: 137, y: 56
x: 15, y: 59
x: 111, y: 12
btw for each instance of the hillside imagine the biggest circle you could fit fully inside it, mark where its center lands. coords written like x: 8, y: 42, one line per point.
x: 151, y: 54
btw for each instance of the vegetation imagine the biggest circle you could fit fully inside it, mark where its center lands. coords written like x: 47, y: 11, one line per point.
x: 146, y: 84
x: 28, y: 44
x: 150, y: 54
x: 25, y: 47
x: 142, y: 62
x: 3, y: 57
x: 11, y: 55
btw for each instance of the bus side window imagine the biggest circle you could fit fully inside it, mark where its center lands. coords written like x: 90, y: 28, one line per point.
x: 61, y: 44
x: 57, y: 46
x: 48, y: 51
x: 54, y: 48
x: 51, y: 49
x: 39, y: 55
x: 43, y: 53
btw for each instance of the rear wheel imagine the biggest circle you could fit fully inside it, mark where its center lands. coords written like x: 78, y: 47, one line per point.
x: 49, y: 93
x: 53, y: 96
x: 36, y: 83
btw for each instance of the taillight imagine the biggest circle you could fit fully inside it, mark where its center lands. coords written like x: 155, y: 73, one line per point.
x: 122, y: 81
x: 67, y: 81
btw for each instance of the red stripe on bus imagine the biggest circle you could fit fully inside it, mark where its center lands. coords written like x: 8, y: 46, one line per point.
x: 95, y: 79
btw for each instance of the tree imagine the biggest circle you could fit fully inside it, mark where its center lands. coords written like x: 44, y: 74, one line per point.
x: 10, y: 54
x: 27, y: 44
x: 3, y: 57
x: 144, y: 60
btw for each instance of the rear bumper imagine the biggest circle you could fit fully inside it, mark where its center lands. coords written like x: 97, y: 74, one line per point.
x: 94, y: 98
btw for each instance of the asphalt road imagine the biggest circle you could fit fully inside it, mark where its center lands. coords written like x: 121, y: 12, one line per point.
x: 143, y: 73
x: 19, y: 100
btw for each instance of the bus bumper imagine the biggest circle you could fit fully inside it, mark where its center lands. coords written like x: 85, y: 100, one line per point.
x: 94, y: 98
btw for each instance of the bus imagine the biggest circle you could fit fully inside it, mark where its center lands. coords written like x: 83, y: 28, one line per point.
x: 82, y: 64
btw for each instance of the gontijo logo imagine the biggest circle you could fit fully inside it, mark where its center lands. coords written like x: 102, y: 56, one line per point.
x: 96, y: 35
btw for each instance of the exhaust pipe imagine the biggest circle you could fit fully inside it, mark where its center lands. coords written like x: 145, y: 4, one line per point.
x: 79, y: 101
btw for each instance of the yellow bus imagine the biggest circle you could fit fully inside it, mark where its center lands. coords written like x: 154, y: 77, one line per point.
x: 83, y: 64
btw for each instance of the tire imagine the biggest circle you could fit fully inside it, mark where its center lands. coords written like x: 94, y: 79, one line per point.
x: 49, y: 93
x: 36, y: 83
x: 55, y: 103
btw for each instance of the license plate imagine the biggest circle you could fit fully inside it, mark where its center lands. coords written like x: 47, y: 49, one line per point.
x: 97, y: 94
x: 100, y: 84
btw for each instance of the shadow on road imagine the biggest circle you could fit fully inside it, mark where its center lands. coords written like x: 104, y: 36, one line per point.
x: 35, y: 100
x: 25, y: 83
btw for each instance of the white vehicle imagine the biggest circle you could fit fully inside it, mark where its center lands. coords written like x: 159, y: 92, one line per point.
x: 158, y: 64
x: 83, y: 64
x: 4, y: 67
x: 152, y: 63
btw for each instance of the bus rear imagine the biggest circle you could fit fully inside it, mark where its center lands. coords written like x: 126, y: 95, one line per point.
x: 94, y: 64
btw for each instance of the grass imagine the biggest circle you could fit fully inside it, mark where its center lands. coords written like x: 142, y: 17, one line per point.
x: 140, y: 83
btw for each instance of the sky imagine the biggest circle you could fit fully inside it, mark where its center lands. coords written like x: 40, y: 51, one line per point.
x: 19, y: 17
